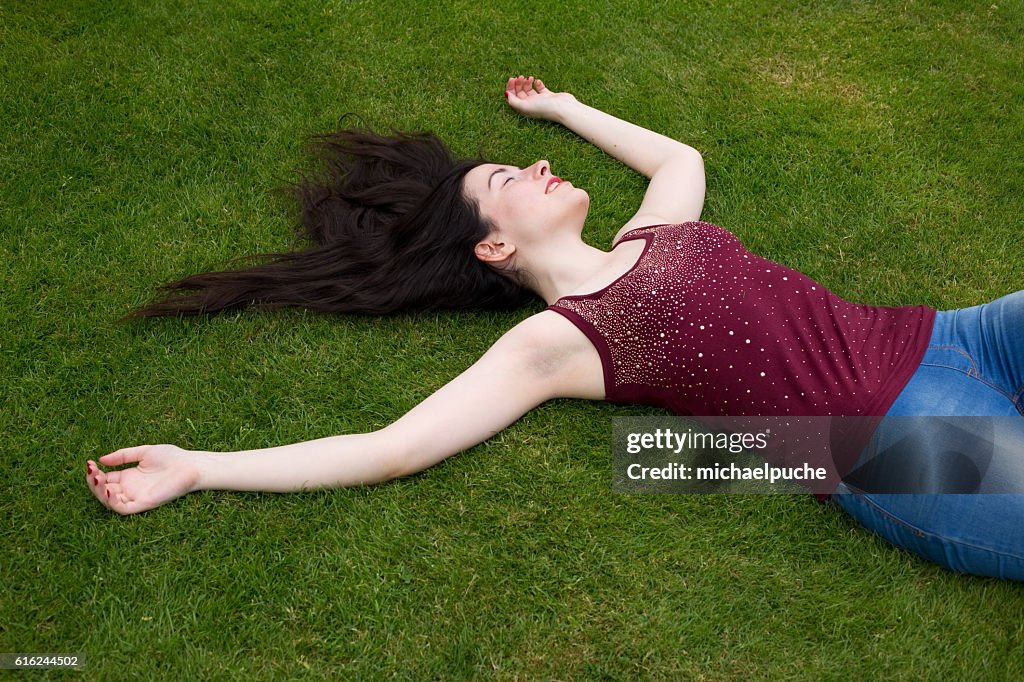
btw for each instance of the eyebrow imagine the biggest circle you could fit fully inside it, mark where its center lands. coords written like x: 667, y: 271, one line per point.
x: 492, y: 175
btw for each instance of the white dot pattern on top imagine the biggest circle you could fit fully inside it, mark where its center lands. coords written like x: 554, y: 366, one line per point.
x: 701, y: 326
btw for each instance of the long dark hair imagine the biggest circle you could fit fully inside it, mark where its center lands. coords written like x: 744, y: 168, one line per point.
x: 392, y: 231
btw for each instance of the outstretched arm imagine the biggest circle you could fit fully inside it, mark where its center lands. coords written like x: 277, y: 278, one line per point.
x: 676, y: 170
x: 517, y: 373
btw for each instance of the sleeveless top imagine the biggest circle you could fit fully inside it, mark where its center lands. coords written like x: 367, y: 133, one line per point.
x: 702, y: 327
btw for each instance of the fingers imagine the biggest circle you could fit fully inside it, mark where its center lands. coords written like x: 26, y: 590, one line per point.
x: 515, y: 86
x: 522, y: 86
x: 112, y: 496
x: 116, y: 497
x: 106, y: 487
x: 96, y: 480
x: 124, y: 455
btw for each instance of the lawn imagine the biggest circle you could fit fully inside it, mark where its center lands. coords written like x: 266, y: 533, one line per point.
x: 876, y: 146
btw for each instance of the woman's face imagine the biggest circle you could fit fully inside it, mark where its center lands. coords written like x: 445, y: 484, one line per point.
x: 526, y: 204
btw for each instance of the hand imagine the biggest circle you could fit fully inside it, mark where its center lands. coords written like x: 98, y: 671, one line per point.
x: 164, y: 473
x: 530, y: 98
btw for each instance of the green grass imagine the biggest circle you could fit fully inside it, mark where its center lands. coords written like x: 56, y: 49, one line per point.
x: 875, y: 146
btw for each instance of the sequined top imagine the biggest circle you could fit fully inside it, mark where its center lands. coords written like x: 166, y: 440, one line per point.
x: 701, y: 326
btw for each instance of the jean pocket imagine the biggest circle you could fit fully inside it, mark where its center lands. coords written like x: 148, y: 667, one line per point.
x: 951, y: 357
x: 957, y: 359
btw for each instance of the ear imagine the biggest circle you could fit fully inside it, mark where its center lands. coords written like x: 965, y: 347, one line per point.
x: 494, y: 250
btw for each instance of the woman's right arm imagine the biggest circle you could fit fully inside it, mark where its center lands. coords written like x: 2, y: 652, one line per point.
x: 675, y: 193
x: 520, y: 371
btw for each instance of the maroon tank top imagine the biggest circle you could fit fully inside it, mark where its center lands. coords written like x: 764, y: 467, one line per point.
x: 701, y: 326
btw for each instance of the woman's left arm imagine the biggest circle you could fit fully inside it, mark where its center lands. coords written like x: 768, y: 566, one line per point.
x: 676, y: 191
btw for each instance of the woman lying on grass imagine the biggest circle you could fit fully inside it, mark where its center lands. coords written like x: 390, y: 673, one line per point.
x: 678, y: 314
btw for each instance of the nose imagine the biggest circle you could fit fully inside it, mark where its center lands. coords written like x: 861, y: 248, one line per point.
x: 541, y: 168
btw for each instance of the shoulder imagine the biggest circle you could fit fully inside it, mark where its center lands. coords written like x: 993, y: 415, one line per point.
x: 553, y: 350
x: 638, y: 223
x: 545, y: 332
x: 656, y: 225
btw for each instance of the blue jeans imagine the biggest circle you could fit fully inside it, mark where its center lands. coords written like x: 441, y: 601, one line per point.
x: 973, y: 366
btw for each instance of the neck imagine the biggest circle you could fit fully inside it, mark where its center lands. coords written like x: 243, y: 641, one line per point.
x: 568, y: 266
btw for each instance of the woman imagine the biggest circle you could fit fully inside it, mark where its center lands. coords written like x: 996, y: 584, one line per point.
x: 676, y: 314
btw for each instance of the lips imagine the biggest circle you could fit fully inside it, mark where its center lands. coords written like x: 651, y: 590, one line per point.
x: 553, y: 182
